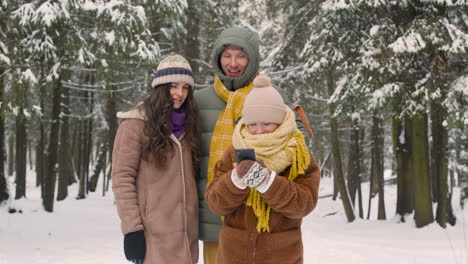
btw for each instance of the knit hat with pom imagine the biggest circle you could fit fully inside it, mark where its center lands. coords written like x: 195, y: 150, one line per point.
x: 173, y: 69
x: 263, y: 103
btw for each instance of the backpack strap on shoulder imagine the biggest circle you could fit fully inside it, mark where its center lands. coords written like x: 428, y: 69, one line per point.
x: 300, y: 112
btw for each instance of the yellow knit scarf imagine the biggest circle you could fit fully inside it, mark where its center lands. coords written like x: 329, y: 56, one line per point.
x: 222, y: 134
x: 280, y: 149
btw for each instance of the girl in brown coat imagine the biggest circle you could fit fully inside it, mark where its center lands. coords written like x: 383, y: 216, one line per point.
x: 155, y: 150
x: 263, y: 201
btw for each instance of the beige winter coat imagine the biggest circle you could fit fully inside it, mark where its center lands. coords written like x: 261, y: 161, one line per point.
x: 161, y: 201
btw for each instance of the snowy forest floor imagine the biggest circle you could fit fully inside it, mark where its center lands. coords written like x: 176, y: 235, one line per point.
x: 88, y: 231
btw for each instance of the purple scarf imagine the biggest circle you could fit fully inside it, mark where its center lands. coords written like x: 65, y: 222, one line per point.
x: 178, y: 121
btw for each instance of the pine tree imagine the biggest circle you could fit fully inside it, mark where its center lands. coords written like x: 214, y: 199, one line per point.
x: 4, y: 62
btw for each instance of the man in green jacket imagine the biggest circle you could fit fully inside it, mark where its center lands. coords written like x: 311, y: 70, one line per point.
x: 236, y: 60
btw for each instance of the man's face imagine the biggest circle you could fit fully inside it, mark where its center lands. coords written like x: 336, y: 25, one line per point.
x: 233, y: 61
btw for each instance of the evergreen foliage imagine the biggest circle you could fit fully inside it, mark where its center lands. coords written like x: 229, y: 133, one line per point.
x: 347, y: 62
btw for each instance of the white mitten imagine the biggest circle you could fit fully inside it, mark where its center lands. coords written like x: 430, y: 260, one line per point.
x: 238, y: 182
x: 255, y: 175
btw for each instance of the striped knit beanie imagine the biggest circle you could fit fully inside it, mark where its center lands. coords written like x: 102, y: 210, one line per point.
x: 172, y: 69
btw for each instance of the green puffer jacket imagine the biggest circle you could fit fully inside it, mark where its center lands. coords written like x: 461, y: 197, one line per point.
x: 210, y: 106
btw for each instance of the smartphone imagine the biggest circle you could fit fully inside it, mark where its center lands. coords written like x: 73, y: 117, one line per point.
x: 245, y: 154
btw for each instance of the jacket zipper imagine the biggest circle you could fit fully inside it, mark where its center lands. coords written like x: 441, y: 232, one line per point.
x: 253, y: 259
x: 254, y: 249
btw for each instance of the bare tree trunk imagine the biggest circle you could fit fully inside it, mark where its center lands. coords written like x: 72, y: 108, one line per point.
x: 354, y: 162
x: 401, y: 137
x: 104, y: 174
x: 378, y: 139
x: 109, y: 172
x: 30, y: 156
x: 111, y: 119
x: 361, y: 209
x: 40, y: 148
x: 324, y: 164
x: 371, y: 183
x: 74, y: 152
x: 64, y: 157
x: 4, y: 192
x: 52, y: 150
x: 337, y: 166
x: 436, y: 152
x: 451, y: 218
x: 439, y: 168
x: 82, y: 153
x: 20, y: 156
x: 39, y: 159
x: 11, y: 155
x: 336, y: 189
x: 462, y: 146
x: 89, y: 141
x: 85, y: 150
x: 98, y: 167
x: 362, y: 134
x: 376, y: 171
x: 422, y: 191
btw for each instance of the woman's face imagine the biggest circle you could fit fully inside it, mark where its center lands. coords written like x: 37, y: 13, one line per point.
x: 178, y: 92
x: 262, y: 128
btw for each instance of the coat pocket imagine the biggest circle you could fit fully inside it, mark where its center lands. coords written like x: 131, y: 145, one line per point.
x: 283, y: 247
x: 234, y: 246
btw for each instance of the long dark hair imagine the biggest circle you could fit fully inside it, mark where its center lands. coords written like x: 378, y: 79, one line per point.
x: 157, y: 106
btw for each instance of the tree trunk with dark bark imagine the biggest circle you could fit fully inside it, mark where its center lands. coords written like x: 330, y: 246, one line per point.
x: 82, y: 160
x: 401, y: 137
x: 4, y: 192
x: 354, y: 162
x: 21, y: 145
x: 64, y: 157
x: 89, y: 142
x: 378, y: 139
x: 439, y: 168
x: 41, y: 146
x: 76, y: 146
x: 337, y: 166
x: 111, y: 118
x: 420, y: 158
x: 98, y: 167
x: 50, y: 178
x: 11, y: 155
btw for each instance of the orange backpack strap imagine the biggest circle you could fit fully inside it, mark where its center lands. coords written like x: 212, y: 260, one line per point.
x: 300, y: 112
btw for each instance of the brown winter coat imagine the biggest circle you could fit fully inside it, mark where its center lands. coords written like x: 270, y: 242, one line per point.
x: 161, y: 201
x: 239, y: 241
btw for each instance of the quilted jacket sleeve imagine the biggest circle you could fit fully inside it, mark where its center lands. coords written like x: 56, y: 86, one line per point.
x: 222, y: 196
x: 125, y: 163
x: 298, y: 198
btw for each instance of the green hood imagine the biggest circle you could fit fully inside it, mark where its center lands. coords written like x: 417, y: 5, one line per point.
x: 244, y: 39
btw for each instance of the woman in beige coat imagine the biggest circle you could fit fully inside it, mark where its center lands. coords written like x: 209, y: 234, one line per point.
x: 155, y: 150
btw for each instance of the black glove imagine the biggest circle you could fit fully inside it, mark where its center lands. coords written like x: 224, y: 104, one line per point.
x: 135, y: 246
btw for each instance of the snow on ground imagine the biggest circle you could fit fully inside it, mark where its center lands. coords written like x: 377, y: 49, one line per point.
x: 87, y: 231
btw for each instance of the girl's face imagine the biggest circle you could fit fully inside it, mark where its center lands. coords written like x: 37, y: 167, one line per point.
x: 178, y: 92
x: 262, y: 128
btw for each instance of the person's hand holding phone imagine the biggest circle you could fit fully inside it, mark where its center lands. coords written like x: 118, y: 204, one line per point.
x: 242, y: 156
x: 248, y: 171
